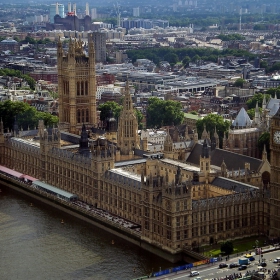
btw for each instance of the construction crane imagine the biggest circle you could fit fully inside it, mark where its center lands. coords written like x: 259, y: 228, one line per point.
x: 117, y: 9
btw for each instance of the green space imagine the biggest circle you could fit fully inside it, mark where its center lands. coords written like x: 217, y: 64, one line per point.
x: 239, y: 246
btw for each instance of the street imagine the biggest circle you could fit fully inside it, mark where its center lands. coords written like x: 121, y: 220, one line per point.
x: 211, y: 271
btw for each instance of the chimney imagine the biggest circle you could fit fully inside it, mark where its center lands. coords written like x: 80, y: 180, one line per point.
x: 87, y: 9
x: 56, y: 8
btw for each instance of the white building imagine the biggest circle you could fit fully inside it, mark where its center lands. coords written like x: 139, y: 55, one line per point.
x: 154, y: 136
x: 136, y: 12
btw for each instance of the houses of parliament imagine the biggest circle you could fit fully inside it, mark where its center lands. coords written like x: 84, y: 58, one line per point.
x: 183, y: 195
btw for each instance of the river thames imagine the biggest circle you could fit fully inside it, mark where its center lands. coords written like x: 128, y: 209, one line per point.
x: 34, y: 244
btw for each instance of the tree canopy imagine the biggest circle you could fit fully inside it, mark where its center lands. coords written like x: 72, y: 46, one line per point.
x: 163, y: 112
x: 108, y: 106
x: 257, y: 98
x: 26, y: 115
x: 16, y: 73
x: 231, y: 37
x: 227, y: 247
x: 239, y: 82
x: 179, y: 54
x: 211, y: 122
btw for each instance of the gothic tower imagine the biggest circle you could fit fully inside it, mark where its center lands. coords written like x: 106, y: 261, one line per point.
x: 128, y: 138
x: 76, y: 86
x: 275, y: 177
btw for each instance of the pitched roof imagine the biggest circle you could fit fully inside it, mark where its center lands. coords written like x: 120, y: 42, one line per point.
x: 242, y: 119
x: 232, y: 160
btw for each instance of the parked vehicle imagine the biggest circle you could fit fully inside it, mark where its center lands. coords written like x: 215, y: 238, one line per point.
x: 233, y: 265
x: 242, y: 267
x: 263, y: 264
x: 194, y: 273
x: 277, y: 260
x: 244, y: 261
x: 251, y: 258
x: 223, y: 265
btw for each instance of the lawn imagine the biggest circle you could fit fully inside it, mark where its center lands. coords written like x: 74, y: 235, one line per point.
x: 240, y: 246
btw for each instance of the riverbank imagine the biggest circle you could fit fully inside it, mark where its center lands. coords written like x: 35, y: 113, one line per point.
x: 129, y: 235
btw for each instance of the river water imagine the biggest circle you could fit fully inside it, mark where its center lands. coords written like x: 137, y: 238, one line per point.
x: 34, y: 244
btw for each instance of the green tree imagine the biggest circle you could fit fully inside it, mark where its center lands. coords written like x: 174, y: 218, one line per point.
x: 239, y: 82
x: 257, y: 98
x: 161, y: 112
x: 251, y: 112
x: 186, y: 61
x: 26, y: 115
x: 264, y: 141
x: 212, y: 122
x: 108, y: 106
x: 227, y: 247
x: 139, y: 117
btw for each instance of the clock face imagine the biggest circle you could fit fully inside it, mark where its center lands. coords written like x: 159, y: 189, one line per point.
x: 276, y: 137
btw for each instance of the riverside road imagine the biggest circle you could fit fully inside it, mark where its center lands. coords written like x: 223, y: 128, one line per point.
x: 211, y: 271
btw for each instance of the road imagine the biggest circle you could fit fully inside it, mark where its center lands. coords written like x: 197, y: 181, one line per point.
x: 211, y: 271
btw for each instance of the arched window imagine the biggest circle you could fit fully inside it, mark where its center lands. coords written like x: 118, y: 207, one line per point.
x: 87, y: 116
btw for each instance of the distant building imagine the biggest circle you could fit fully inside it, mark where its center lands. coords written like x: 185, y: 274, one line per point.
x: 54, y: 8
x: 99, y: 40
x: 136, y: 12
x: 9, y: 45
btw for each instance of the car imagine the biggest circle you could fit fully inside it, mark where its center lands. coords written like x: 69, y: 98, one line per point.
x: 194, y: 273
x: 233, y: 265
x: 263, y: 264
x: 223, y: 265
x: 197, y: 278
x: 251, y: 258
x: 242, y: 267
x: 277, y: 260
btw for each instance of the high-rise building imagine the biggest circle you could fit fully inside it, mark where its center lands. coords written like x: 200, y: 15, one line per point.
x: 56, y: 9
x: 136, y: 12
x: 99, y: 41
x: 76, y: 86
x: 93, y: 13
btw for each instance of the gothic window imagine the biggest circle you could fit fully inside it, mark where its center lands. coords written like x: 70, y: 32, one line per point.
x: 185, y: 234
x: 86, y: 87
x: 177, y: 206
x: 178, y: 235
x: 78, y: 88
x: 177, y: 221
x: 87, y: 115
x: 83, y: 115
x: 168, y: 234
x: 78, y: 116
x: 82, y: 88
x: 168, y: 221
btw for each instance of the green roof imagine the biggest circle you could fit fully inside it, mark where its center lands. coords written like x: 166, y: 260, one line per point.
x: 191, y: 116
x: 53, y: 189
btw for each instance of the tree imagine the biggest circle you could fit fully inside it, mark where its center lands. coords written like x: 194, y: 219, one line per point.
x: 108, y: 106
x: 212, y: 122
x: 251, y: 112
x: 227, y: 247
x: 161, y: 112
x: 257, y: 98
x: 139, y: 117
x: 239, y: 82
x: 26, y: 115
x: 186, y: 61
